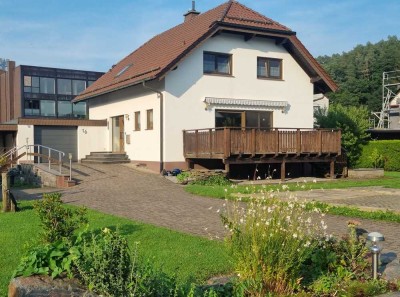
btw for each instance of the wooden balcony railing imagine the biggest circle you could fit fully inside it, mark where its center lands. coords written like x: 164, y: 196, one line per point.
x: 222, y: 143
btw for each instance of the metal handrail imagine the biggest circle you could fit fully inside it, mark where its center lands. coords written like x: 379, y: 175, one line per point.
x: 28, y: 149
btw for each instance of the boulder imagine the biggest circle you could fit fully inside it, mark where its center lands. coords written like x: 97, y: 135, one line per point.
x: 45, y: 286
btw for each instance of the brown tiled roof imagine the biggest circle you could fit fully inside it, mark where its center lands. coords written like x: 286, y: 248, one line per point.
x: 7, y: 127
x: 161, y: 53
x: 61, y: 122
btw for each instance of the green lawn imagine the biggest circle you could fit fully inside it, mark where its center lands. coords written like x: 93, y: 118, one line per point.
x: 191, y: 258
x: 390, y: 180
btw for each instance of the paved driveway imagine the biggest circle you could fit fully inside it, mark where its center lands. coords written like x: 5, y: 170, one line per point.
x: 125, y: 191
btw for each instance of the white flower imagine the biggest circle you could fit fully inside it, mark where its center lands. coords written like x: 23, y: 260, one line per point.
x: 226, y: 190
x: 218, y: 210
x: 307, y: 244
x: 295, y: 235
x: 106, y: 230
x: 314, y: 181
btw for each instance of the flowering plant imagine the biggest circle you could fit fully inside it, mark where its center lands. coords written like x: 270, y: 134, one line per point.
x: 270, y: 239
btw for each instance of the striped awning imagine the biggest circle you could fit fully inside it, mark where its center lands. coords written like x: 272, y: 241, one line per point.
x: 246, y: 103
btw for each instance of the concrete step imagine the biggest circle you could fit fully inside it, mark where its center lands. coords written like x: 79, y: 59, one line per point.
x: 95, y: 158
x: 106, y: 161
x: 106, y: 158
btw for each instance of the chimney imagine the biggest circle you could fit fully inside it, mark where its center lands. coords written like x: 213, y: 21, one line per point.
x: 191, y: 14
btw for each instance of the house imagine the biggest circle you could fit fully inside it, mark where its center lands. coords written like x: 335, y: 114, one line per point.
x: 36, y: 108
x: 212, y: 92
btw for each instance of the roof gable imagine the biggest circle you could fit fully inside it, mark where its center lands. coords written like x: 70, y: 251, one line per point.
x: 162, y: 52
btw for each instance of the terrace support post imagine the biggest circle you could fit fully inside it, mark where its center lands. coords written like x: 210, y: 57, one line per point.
x: 276, y: 142
x: 332, y: 169
x: 227, y: 143
x: 197, y: 142
x: 253, y: 142
x: 298, y: 142
x: 283, y: 170
x: 227, y: 169
x: 319, y: 142
x: 4, y: 192
x: 211, y: 142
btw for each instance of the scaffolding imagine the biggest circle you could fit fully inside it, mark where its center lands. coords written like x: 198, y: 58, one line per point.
x: 390, y: 89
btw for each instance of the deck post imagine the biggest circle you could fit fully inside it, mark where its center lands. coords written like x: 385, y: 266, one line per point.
x: 227, y: 169
x: 197, y: 142
x: 298, y: 142
x: 276, y: 142
x: 283, y: 170
x: 184, y: 142
x: 253, y: 142
x: 227, y: 143
x: 319, y: 142
x: 5, y: 179
x: 332, y: 169
x: 210, y: 140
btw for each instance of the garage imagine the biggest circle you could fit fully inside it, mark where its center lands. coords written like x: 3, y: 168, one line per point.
x: 62, y: 138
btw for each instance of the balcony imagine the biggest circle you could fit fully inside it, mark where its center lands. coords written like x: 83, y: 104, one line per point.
x: 248, y: 145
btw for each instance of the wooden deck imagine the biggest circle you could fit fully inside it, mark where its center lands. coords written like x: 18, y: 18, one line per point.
x: 247, y: 145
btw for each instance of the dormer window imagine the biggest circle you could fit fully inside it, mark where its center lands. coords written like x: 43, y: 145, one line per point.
x: 123, y: 70
x: 269, y: 68
x: 217, y: 63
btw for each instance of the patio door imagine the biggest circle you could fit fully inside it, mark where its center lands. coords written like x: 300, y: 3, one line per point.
x: 243, y: 119
x: 118, y: 134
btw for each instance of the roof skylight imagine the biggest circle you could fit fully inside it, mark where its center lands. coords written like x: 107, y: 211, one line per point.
x: 123, y: 70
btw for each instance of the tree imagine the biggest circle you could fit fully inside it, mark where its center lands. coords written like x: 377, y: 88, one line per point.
x: 353, y: 121
x: 359, y: 72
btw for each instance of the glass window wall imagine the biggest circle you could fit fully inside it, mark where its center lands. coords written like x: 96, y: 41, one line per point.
x: 64, y: 86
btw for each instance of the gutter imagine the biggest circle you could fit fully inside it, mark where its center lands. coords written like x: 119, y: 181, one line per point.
x: 161, y: 96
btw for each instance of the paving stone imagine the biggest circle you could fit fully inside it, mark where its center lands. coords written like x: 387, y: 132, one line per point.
x: 139, y: 195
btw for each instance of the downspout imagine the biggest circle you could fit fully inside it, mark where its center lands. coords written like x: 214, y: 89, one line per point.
x: 161, y: 96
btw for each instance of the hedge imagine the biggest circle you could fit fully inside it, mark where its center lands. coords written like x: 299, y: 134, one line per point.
x: 378, y: 153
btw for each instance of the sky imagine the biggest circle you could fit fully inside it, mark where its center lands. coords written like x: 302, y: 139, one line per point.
x: 95, y: 34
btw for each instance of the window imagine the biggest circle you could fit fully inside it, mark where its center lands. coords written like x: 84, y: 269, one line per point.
x: 47, y: 85
x: 47, y: 108
x: 243, y: 119
x: 123, y: 70
x: 64, y: 108
x: 137, y: 120
x: 64, y: 86
x: 78, y: 86
x: 269, y: 68
x: 31, y: 84
x: 79, y: 110
x: 258, y: 119
x: 32, y: 108
x: 228, y: 118
x: 149, y: 119
x: 217, y: 63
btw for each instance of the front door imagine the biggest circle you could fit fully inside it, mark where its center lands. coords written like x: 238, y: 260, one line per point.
x: 118, y: 133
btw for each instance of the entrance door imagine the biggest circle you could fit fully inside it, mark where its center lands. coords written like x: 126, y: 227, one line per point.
x: 118, y: 134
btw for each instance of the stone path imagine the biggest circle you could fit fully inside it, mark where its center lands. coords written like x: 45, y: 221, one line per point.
x: 142, y: 196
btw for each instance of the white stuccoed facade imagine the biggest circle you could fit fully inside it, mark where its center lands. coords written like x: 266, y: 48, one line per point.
x: 185, y: 89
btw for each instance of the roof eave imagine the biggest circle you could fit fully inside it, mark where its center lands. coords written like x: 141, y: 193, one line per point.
x: 91, y: 96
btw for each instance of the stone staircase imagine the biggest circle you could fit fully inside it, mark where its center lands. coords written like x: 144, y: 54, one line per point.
x: 106, y: 158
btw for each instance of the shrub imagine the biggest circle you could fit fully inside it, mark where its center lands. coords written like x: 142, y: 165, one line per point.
x: 58, y: 221
x: 212, y: 180
x: 107, y: 267
x: 183, y: 177
x: 353, y: 121
x: 381, y: 153
x: 105, y: 263
x: 270, y: 240
x: 54, y: 259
